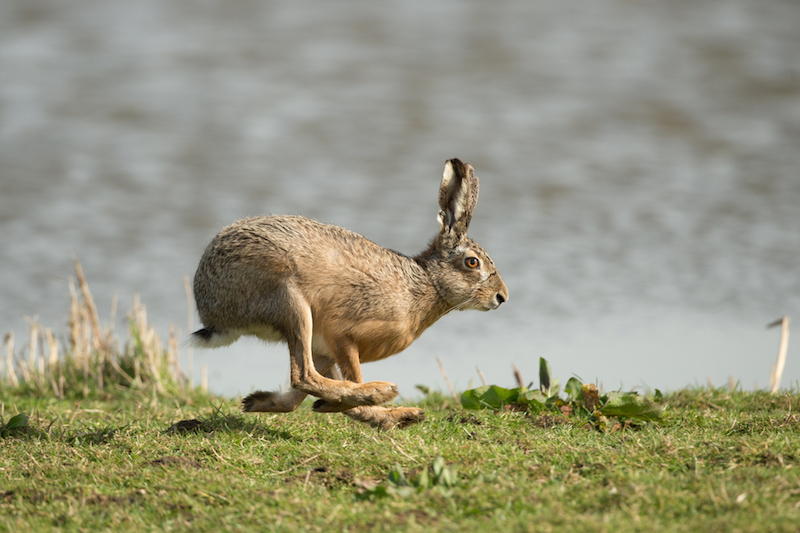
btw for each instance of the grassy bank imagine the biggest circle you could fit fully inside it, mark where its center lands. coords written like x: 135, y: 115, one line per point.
x: 101, y: 433
x: 721, y: 461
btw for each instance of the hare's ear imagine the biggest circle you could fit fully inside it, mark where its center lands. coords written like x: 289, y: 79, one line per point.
x: 458, y: 196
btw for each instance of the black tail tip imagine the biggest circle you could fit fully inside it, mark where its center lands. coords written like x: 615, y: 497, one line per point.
x: 204, y: 334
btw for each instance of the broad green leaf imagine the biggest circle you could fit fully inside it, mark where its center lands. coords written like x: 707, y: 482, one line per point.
x: 499, y: 396
x: 472, y: 399
x: 438, y: 466
x: 424, y: 480
x: 555, y: 387
x: 443, y: 475
x: 450, y: 477
x: 374, y: 493
x: 396, y: 476
x: 489, y: 396
x: 631, y: 405
x: 18, y: 421
x: 545, y: 375
x: 533, y: 398
x: 573, y: 389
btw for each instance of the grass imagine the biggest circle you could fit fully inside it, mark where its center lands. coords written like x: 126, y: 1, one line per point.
x: 116, y: 439
x: 721, y: 461
x: 94, y: 360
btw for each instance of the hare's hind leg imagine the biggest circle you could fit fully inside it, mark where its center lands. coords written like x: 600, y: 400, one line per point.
x: 296, y: 325
x: 386, y: 417
x: 284, y: 402
x: 273, y: 401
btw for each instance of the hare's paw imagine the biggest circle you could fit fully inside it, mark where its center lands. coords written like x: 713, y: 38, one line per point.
x: 406, y: 416
x: 372, y: 393
x: 375, y: 392
x: 324, y: 406
x: 387, y: 417
x: 272, y: 402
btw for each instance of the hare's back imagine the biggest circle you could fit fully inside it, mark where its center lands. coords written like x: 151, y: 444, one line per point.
x: 299, y: 240
x: 267, y: 250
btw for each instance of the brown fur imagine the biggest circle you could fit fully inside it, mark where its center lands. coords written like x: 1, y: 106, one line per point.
x: 339, y: 300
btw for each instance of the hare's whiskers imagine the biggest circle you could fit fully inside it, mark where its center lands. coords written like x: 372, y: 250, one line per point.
x: 460, y: 306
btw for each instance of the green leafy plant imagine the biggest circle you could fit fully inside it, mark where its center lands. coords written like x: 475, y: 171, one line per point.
x: 494, y: 397
x: 439, y: 475
x: 581, y: 398
x: 15, y: 422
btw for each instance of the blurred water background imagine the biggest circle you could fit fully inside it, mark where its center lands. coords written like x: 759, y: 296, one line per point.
x: 639, y: 164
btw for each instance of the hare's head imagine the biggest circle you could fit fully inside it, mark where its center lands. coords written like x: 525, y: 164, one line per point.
x: 463, y: 273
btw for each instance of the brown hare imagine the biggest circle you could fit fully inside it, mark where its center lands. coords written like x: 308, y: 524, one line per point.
x: 339, y: 300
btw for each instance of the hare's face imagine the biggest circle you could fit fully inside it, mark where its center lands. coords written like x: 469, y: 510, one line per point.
x: 467, y: 279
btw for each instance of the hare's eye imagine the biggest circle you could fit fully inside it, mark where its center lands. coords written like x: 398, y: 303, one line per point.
x: 472, y: 262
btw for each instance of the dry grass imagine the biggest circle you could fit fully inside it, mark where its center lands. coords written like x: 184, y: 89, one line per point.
x: 94, y: 359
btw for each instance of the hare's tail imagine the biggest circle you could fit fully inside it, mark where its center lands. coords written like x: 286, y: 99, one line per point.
x: 211, y: 337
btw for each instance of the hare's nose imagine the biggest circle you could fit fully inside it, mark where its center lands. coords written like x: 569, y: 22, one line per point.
x: 502, y: 293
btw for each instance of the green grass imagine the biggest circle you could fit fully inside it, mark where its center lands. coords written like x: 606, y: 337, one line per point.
x: 720, y: 461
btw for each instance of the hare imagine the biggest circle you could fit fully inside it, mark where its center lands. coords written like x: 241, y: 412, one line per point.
x: 339, y: 300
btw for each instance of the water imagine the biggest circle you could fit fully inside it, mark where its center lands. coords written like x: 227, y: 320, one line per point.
x: 639, y: 164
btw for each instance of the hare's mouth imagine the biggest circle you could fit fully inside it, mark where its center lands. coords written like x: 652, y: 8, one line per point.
x: 495, y: 302
x: 482, y: 305
x: 487, y: 306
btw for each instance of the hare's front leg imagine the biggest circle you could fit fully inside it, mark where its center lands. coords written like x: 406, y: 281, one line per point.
x: 345, y: 353
x: 341, y: 394
x: 347, y: 357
